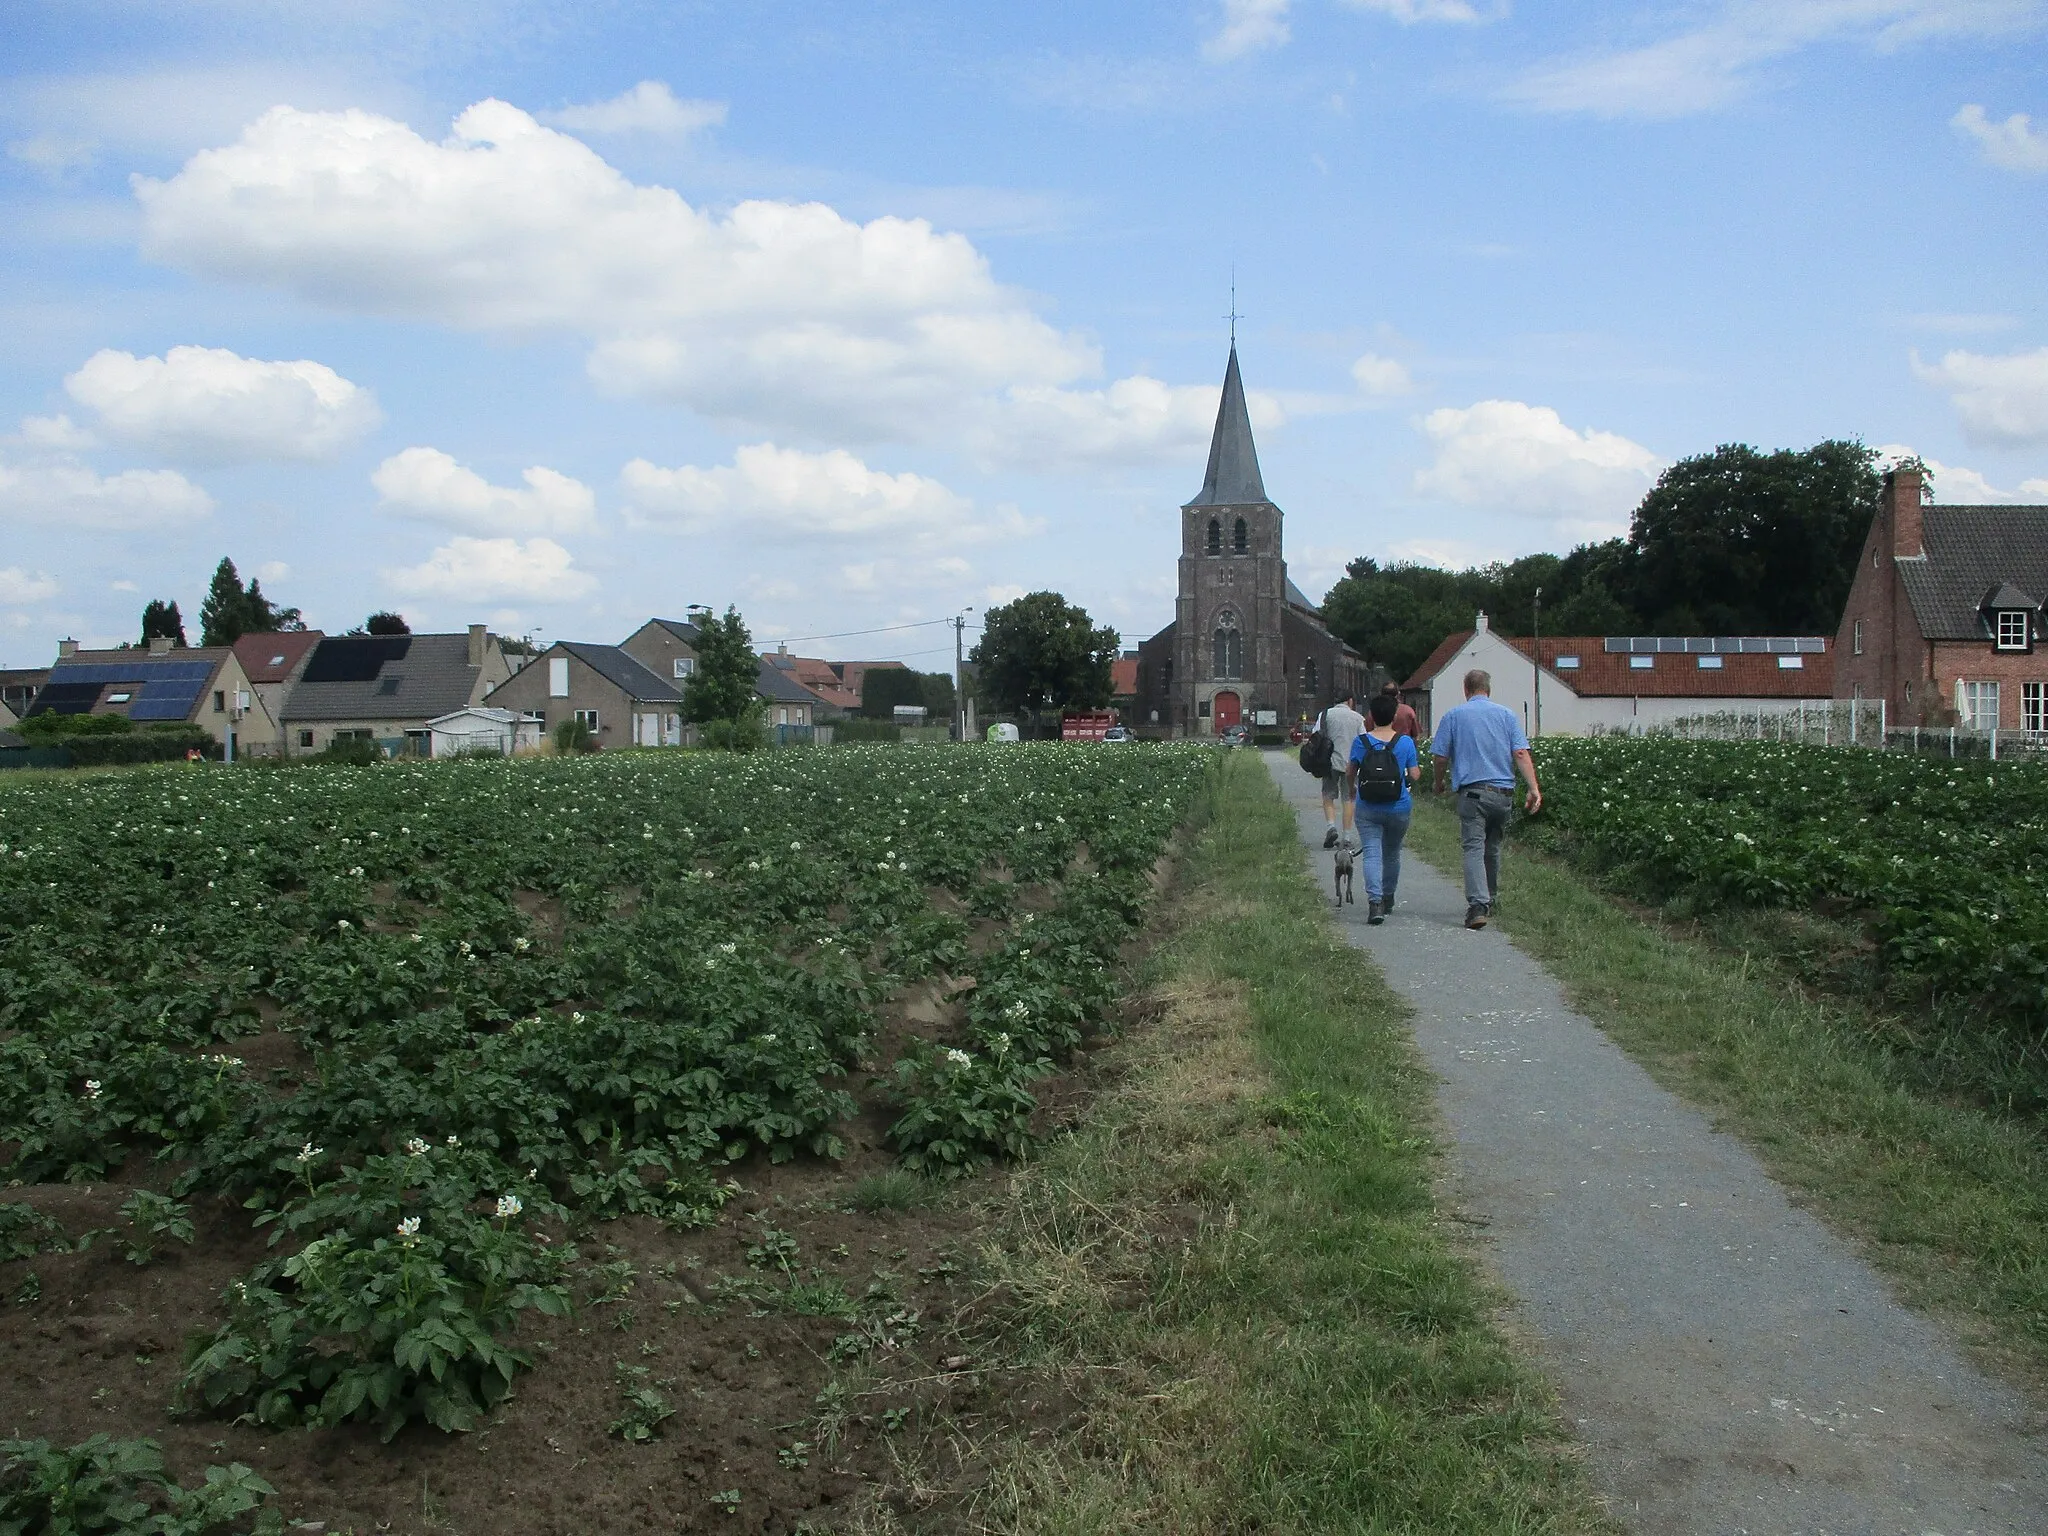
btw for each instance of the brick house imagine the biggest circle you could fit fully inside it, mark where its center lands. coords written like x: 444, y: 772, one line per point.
x: 622, y: 701
x: 666, y: 647
x: 1625, y: 682
x: 1246, y: 645
x: 197, y: 685
x: 1943, y: 621
x: 386, y: 688
x: 273, y: 661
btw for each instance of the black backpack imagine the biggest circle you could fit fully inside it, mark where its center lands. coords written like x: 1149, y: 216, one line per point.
x: 1317, y: 751
x: 1380, y: 780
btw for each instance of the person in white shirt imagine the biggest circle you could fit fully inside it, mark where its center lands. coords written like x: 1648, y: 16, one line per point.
x: 1342, y: 724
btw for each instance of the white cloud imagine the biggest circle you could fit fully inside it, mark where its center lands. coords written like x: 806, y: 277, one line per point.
x: 996, y: 596
x: 1133, y: 420
x: 1720, y: 60
x: 789, y: 315
x: 1248, y: 26
x: 207, y: 403
x: 1382, y: 376
x: 273, y: 570
x: 649, y: 107
x: 18, y: 586
x: 58, y: 432
x: 1956, y: 485
x: 429, y: 484
x: 64, y: 492
x: 792, y: 493
x: 122, y: 586
x: 2011, y: 145
x: 1505, y: 456
x: 2000, y: 399
x: 1409, y: 12
x: 502, y: 570
x: 52, y: 154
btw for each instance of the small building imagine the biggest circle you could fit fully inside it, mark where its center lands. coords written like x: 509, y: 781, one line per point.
x: 203, y: 686
x: 386, y: 688
x: 273, y: 661
x: 1624, y: 682
x: 483, y: 728
x: 19, y: 687
x: 623, y: 702
x: 819, y: 678
x: 1943, y: 620
x: 784, y: 700
x: 666, y: 647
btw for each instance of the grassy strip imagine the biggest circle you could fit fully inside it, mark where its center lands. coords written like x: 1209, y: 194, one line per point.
x: 1235, y: 1263
x: 1950, y: 1199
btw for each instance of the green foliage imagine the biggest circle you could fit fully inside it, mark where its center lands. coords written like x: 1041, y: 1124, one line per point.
x: 152, y: 1218
x: 231, y: 611
x: 26, y: 1232
x: 51, y: 726
x: 351, y: 752
x: 961, y: 1110
x: 384, y: 622
x: 574, y: 735
x: 883, y: 688
x: 1042, y: 652
x: 854, y: 729
x: 108, y: 1487
x: 646, y: 1408
x: 723, y: 685
x: 162, y: 621
x: 746, y: 732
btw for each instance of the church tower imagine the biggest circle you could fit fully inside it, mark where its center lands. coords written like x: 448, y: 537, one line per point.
x: 1228, y: 655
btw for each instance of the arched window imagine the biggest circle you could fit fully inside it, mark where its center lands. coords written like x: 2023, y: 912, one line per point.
x: 1308, y: 675
x: 1238, y: 542
x: 1215, y: 537
x: 1229, y: 647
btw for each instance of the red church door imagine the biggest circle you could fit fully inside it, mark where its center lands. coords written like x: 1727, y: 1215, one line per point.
x: 1227, y: 711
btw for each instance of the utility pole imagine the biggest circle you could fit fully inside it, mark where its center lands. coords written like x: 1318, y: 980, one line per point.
x: 959, y: 680
x: 1539, y: 663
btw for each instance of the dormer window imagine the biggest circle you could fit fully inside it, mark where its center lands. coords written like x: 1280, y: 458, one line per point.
x: 2009, y: 616
x: 2012, y: 629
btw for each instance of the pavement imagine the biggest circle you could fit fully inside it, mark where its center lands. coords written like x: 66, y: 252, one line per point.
x: 1731, y: 1366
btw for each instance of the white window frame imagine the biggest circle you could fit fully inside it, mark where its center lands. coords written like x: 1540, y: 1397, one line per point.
x: 589, y: 717
x: 1791, y: 663
x: 1641, y: 663
x: 1566, y: 664
x: 1708, y: 663
x: 558, y: 677
x: 1856, y: 638
x: 1977, y: 703
x: 2034, y: 708
x: 2012, y: 629
x: 685, y: 666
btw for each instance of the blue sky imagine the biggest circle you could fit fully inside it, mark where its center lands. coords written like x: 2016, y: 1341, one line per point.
x: 557, y: 315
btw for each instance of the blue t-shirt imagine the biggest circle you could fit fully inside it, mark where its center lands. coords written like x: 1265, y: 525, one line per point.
x: 1403, y: 748
x: 1481, y: 739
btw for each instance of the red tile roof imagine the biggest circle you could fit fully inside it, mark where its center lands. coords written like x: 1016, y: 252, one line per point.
x: 1123, y: 677
x: 272, y: 657
x: 1672, y: 675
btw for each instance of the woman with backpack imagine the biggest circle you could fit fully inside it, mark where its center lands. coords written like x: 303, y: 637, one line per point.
x: 1383, y: 764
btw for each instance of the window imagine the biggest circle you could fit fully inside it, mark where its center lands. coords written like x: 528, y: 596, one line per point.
x: 1202, y: 709
x: 1791, y: 663
x: 558, y: 677
x: 305, y: 738
x: 220, y: 702
x: 1708, y: 663
x: 119, y: 698
x: 1641, y: 663
x: 2034, y: 707
x: 1566, y: 664
x: 387, y: 686
x: 1228, y: 648
x: 277, y: 661
x: 1166, y: 673
x: 1215, y: 537
x: 1308, y: 675
x: 685, y: 665
x: 782, y: 715
x: 1977, y: 703
x: 2012, y: 629
x: 587, y: 717
x: 1856, y: 637
x: 1239, y: 543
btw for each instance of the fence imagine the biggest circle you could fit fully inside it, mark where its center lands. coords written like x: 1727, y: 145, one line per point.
x: 1956, y: 741
x: 1812, y: 722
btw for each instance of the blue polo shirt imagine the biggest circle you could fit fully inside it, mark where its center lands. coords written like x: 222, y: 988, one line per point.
x: 1481, y: 739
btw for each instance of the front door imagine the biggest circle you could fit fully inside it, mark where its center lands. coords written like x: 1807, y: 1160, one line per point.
x: 1226, y: 712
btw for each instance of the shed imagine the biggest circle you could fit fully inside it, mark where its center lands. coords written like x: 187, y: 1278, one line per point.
x: 483, y: 728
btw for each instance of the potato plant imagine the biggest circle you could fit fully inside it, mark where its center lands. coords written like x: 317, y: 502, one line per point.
x: 499, y: 1000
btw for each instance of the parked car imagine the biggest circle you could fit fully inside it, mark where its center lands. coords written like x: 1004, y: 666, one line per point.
x: 1117, y: 733
x: 1235, y: 736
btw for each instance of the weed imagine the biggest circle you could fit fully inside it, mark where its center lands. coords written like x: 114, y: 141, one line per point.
x: 893, y: 1189
x: 646, y: 1408
x: 727, y: 1499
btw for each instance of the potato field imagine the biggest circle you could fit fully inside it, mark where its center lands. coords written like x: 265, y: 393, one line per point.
x: 1945, y: 862
x: 339, y: 1105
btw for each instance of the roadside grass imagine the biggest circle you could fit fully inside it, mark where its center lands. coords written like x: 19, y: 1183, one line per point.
x: 1945, y: 1193
x: 1234, y: 1266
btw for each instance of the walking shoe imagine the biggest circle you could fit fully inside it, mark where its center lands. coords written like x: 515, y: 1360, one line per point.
x: 1375, y: 913
x: 1330, y: 838
x: 1386, y: 906
x: 1475, y: 915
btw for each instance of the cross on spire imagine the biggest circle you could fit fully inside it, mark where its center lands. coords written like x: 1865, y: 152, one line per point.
x: 1233, y: 317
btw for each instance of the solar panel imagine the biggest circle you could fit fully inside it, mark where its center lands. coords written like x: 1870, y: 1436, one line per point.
x: 354, y: 658
x: 166, y: 699
x: 142, y: 669
x: 67, y: 698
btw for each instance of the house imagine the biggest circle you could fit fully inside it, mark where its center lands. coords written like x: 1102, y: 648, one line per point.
x: 273, y: 661
x: 1246, y: 645
x: 385, y: 688
x: 666, y: 647
x: 623, y: 702
x: 784, y: 700
x: 820, y: 679
x: 1624, y: 682
x: 1943, y: 620
x: 19, y: 687
x: 1123, y: 684
x: 203, y: 686
x: 482, y: 728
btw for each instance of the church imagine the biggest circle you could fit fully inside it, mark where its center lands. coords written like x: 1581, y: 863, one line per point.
x: 1245, y: 646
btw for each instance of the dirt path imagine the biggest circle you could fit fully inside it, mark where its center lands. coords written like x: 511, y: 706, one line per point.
x: 1731, y: 1365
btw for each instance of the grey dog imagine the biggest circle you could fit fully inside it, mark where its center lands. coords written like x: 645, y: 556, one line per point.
x: 1344, y: 856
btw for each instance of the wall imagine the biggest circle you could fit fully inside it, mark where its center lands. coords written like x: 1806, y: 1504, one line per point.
x: 528, y: 692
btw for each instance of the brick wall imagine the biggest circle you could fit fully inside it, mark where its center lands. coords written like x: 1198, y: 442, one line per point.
x: 1879, y: 651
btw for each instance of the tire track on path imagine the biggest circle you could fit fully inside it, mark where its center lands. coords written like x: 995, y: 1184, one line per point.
x: 1731, y: 1365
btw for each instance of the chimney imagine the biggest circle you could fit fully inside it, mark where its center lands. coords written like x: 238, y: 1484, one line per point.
x: 1482, y: 626
x: 1902, y: 493
x: 477, y: 636
x: 66, y: 648
x: 159, y: 645
x: 782, y: 649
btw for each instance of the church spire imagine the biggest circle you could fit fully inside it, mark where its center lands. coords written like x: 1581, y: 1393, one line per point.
x: 1233, y: 478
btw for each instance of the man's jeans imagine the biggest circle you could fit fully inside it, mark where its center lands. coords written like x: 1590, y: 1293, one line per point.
x: 1483, y: 812
x: 1381, y: 830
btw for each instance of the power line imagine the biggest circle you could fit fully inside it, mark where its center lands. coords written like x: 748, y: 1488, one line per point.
x: 845, y: 634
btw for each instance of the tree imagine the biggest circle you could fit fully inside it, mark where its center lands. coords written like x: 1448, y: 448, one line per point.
x: 265, y: 617
x: 386, y: 623
x: 224, y: 615
x: 723, y: 687
x: 162, y: 621
x: 883, y: 688
x: 1043, y: 652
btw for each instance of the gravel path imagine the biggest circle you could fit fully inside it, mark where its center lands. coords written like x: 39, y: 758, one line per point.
x: 1731, y: 1365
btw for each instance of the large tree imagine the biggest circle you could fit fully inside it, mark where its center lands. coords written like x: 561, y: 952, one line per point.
x: 385, y: 623
x: 162, y: 621
x: 231, y: 611
x: 725, y: 684
x: 883, y: 688
x: 1041, y: 652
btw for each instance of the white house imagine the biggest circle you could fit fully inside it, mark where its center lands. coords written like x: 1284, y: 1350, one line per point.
x: 482, y: 728
x: 1585, y: 684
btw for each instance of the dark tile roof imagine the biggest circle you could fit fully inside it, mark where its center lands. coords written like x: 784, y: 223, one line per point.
x: 623, y: 672
x: 167, y: 685
x: 2008, y: 596
x: 1233, y: 479
x: 682, y: 629
x: 1970, y: 551
x: 270, y: 657
x: 778, y: 687
x: 383, y: 677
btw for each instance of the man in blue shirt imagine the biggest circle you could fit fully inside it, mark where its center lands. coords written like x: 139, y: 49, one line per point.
x: 1481, y: 744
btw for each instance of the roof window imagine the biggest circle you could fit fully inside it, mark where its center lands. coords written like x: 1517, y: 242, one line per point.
x: 389, y: 685
x: 1566, y: 663
x: 119, y: 698
x: 1711, y: 663
x: 277, y: 661
x: 1791, y: 663
x: 1641, y: 663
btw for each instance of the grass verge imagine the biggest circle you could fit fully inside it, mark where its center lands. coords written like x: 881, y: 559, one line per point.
x: 1234, y: 1267
x: 1949, y: 1198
